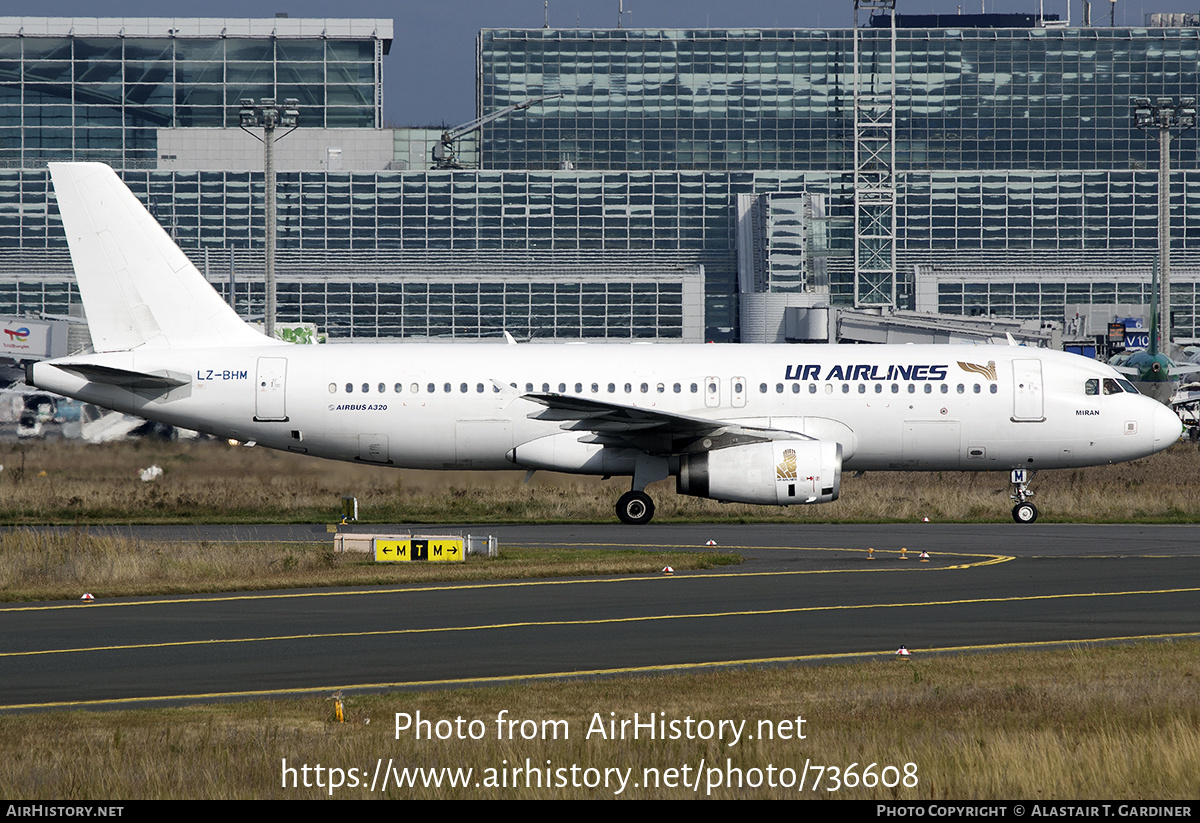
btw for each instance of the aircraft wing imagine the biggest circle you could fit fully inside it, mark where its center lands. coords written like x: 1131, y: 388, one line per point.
x: 649, y: 430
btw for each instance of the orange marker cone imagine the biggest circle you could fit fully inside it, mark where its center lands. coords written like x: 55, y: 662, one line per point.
x: 87, y: 598
x: 711, y: 543
x: 668, y: 570
x: 924, y: 557
x: 902, y: 653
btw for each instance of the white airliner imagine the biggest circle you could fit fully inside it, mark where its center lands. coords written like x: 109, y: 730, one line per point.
x: 772, y: 425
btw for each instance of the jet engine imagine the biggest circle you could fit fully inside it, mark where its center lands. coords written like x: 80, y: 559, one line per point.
x: 775, y: 473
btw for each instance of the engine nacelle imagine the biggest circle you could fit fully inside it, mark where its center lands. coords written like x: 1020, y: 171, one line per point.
x: 776, y: 473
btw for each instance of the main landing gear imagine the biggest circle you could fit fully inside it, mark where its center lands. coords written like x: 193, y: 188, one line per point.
x: 635, y: 508
x: 1024, y: 511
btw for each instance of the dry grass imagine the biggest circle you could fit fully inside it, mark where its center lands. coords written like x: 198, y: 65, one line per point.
x: 1117, y: 723
x: 213, y: 482
x: 53, y: 566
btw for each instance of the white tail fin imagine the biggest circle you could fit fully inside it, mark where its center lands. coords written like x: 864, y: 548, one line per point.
x: 138, y: 288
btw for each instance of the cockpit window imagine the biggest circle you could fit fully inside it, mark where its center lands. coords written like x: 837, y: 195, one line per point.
x: 1111, y: 387
x: 1091, y: 387
x: 1127, y: 386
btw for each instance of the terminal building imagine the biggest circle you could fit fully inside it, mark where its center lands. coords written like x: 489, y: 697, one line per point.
x: 687, y: 185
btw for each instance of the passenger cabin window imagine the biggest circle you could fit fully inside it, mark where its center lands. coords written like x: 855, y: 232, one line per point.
x: 366, y: 388
x: 349, y: 388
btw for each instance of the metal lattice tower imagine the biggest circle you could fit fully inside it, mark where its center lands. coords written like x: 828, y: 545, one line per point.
x: 874, y: 157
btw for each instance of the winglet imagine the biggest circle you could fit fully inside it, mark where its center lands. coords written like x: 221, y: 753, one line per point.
x: 138, y: 289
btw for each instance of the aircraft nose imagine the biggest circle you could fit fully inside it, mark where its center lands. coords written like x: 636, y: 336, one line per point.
x: 1167, y: 427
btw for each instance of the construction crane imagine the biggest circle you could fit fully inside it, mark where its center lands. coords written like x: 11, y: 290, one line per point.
x: 444, y: 156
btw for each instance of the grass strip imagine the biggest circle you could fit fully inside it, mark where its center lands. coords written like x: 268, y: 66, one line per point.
x: 1119, y: 723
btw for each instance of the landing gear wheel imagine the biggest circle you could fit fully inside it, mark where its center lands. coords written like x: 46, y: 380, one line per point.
x: 635, y: 508
x: 1024, y: 513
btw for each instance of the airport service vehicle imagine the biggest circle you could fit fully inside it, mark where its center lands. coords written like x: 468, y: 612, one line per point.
x: 761, y: 424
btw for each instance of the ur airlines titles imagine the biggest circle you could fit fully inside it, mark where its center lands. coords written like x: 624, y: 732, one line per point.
x: 771, y: 425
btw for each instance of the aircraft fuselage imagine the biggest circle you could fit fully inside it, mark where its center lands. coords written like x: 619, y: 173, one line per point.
x: 460, y: 406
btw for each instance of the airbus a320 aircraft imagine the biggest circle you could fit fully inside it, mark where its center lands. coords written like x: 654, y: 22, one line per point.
x: 772, y: 425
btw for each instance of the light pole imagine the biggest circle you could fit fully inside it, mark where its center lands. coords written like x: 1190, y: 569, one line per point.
x: 268, y: 116
x: 1163, y: 114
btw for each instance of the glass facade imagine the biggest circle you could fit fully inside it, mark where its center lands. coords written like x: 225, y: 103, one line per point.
x: 976, y: 99
x: 103, y: 95
x: 1015, y: 148
x: 349, y: 219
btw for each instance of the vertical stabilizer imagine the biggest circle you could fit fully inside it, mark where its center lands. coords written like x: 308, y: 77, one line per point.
x: 138, y: 288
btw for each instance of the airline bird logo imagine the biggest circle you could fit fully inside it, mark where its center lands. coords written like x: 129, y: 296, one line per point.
x: 988, y: 371
x: 787, y: 469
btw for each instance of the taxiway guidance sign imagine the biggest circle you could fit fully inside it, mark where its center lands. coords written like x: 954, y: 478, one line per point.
x: 432, y: 549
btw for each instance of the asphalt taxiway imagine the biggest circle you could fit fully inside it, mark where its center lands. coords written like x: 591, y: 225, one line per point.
x: 805, y: 593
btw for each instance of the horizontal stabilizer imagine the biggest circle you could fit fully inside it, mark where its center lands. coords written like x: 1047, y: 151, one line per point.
x: 121, y: 377
x: 138, y: 288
